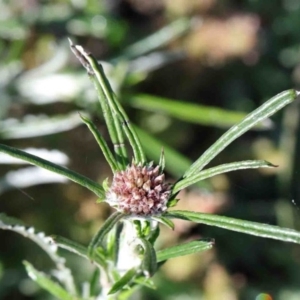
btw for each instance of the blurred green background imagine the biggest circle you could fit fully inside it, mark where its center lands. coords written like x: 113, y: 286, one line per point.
x: 185, y: 70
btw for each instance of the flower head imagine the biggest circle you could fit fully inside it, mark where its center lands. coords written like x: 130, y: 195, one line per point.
x: 139, y: 190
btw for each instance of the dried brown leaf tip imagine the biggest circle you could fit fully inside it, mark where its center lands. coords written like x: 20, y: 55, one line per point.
x: 139, y: 190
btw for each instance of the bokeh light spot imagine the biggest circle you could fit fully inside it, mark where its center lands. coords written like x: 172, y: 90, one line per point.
x: 264, y: 297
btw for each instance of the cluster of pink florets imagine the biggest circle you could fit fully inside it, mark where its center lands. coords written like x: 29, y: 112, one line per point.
x: 139, y: 190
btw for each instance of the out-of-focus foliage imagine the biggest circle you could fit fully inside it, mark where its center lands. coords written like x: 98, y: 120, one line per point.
x: 227, y: 54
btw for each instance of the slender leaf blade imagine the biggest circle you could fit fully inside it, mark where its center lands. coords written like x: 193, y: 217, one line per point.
x: 101, y: 142
x: 117, y: 109
x: 53, y: 155
x: 246, y: 164
x: 157, y: 39
x: 149, y: 263
x: 48, y: 284
x: 147, y: 282
x: 100, y: 235
x: 191, y: 112
x: 43, y: 241
x: 164, y: 221
x: 162, y: 160
x: 78, y: 249
x: 113, y: 124
x: 97, y: 75
x: 184, y: 249
x: 70, y: 245
x: 94, y: 282
x: 264, y: 111
x: 123, y: 281
x: 40, y: 162
x: 247, y: 227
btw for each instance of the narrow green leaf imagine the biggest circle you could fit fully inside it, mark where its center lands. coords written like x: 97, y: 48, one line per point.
x: 264, y: 111
x: 53, y: 155
x: 123, y: 281
x: 96, y: 73
x: 114, y: 126
x: 105, y: 184
x: 113, y: 242
x: 190, y: 112
x: 147, y: 282
x: 48, y: 284
x: 184, y: 249
x: 157, y: 39
x: 154, y: 234
x: 246, y: 164
x: 176, y: 163
x: 117, y: 109
x: 106, y: 227
x: 102, y: 143
x: 172, y: 202
x: 248, y: 227
x: 78, y: 249
x: 162, y: 160
x: 164, y: 221
x: 6, y: 222
x: 43, y: 241
x: 149, y: 263
x: 94, y: 282
x: 113, y: 123
x: 40, y: 162
x: 138, y: 227
x: 13, y: 224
